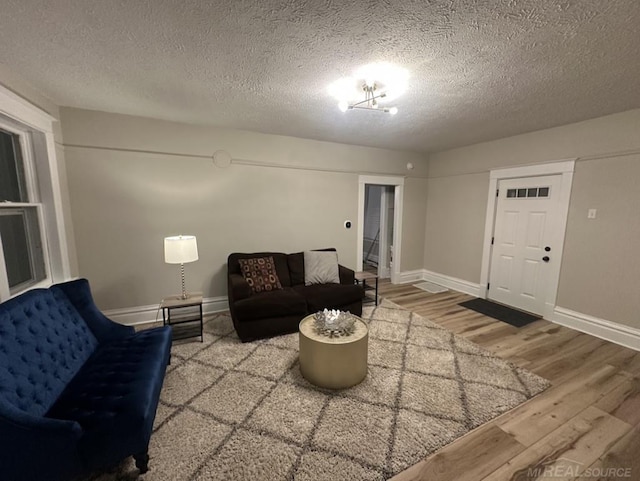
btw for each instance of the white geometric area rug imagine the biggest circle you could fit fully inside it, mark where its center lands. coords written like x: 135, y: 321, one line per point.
x: 238, y: 411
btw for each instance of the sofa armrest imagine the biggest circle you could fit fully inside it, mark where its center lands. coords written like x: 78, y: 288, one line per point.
x: 32, y: 445
x: 239, y: 288
x: 347, y: 276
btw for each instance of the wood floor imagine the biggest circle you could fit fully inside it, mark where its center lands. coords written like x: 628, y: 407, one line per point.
x: 587, y: 422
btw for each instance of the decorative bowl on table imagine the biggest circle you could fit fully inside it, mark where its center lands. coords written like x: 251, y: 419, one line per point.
x: 334, y: 323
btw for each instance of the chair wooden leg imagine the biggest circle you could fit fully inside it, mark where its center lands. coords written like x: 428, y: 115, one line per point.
x: 142, y: 461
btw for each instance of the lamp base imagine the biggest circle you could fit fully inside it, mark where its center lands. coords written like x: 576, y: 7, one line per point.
x: 185, y: 294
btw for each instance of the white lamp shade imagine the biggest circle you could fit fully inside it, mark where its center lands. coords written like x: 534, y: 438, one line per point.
x: 180, y: 249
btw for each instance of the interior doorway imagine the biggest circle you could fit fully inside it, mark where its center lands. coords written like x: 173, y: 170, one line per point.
x: 379, y: 235
x: 377, y: 241
x: 524, y: 235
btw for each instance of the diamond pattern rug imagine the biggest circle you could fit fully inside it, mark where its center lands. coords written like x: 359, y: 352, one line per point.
x: 232, y: 411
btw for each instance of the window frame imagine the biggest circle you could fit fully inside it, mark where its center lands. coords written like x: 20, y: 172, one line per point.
x: 34, y: 128
x: 32, y: 237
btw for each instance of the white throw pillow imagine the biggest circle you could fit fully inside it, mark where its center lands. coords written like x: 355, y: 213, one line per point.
x: 321, y: 267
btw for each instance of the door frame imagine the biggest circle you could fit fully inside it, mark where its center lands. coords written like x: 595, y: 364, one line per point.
x: 398, y: 183
x: 565, y: 168
x: 384, y: 272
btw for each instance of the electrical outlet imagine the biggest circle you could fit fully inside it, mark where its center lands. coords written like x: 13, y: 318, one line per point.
x: 591, y: 213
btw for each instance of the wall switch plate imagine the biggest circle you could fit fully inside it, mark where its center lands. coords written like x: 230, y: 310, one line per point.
x: 591, y: 213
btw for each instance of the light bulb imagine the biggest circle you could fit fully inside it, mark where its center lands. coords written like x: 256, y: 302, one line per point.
x: 343, y: 106
x: 393, y: 110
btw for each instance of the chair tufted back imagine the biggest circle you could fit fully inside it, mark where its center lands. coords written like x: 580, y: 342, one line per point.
x: 43, y: 343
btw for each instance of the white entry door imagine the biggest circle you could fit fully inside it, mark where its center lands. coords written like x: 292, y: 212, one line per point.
x: 525, y: 234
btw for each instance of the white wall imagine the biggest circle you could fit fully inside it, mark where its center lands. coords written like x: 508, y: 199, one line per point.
x: 280, y: 193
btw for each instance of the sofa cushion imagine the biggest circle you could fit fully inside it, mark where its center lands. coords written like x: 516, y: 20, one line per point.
x: 260, y: 273
x: 329, y: 296
x: 283, y: 302
x: 321, y: 268
x: 115, y: 394
x: 296, y: 268
x: 43, y: 344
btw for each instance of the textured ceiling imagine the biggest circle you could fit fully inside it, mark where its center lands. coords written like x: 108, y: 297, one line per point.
x: 479, y: 69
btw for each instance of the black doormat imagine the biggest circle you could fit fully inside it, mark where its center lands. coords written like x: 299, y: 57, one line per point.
x: 498, y: 311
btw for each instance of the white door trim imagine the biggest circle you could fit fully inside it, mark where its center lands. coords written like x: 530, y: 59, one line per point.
x: 398, y: 182
x: 565, y: 168
x: 383, y: 243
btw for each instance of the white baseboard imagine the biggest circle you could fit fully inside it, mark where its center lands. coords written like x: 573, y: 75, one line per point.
x: 132, y: 316
x: 453, y: 283
x: 601, y: 328
x: 449, y: 282
x: 410, y: 276
x: 609, y: 331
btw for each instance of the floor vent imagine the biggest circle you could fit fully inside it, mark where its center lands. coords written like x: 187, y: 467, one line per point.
x: 431, y: 287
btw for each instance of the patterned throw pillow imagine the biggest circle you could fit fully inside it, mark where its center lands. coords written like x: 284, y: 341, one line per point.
x: 260, y: 274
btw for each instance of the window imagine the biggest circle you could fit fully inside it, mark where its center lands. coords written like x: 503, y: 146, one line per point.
x: 33, y: 247
x: 528, y: 193
x: 20, y: 214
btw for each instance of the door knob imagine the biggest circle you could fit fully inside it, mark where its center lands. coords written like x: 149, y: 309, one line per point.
x: 547, y: 249
x: 545, y: 258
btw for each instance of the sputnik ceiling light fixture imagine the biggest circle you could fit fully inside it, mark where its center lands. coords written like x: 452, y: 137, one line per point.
x: 370, y: 101
x: 380, y: 82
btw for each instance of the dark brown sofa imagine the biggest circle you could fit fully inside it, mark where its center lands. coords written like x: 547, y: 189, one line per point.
x: 266, y: 314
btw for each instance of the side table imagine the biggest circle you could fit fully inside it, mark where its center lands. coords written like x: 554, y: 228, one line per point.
x: 184, y: 315
x: 364, y: 276
x: 333, y: 362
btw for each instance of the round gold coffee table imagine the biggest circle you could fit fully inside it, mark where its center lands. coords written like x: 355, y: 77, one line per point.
x: 333, y: 362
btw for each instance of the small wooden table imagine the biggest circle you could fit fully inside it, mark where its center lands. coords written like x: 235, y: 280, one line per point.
x: 187, y: 315
x: 364, y: 276
x: 333, y: 362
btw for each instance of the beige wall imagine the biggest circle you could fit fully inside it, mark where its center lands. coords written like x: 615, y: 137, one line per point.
x: 600, y: 270
x: 124, y: 202
x: 413, y: 226
x: 601, y: 266
x: 127, y: 195
x: 455, y: 225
